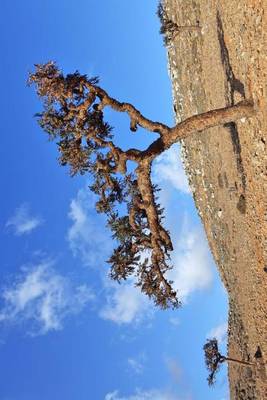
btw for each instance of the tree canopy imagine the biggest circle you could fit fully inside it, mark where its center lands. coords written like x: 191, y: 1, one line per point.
x: 214, y: 359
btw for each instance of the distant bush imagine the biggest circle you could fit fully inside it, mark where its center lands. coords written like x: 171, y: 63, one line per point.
x: 169, y: 29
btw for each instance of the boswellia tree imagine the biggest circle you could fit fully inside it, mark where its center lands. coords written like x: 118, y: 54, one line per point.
x: 214, y: 359
x: 73, y: 115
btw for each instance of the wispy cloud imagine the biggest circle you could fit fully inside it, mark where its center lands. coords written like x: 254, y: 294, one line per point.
x: 90, y: 240
x: 192, y: 263
x: 192, y: 271
x: 137, y: 363
x: 125, y: 304
x: 43, y: 298
x: 219, y: 332
x: 190, y: 258
x: 168, y: 168
x: 152, y: 394
x: 88, y: 237
x: 22, y: 222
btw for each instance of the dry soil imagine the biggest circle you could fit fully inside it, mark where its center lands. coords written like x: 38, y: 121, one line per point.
x: 218, y: 65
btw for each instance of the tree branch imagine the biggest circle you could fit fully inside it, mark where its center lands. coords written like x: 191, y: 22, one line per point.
x: 135, y: 115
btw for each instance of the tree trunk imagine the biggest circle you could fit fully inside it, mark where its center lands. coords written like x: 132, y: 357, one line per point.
x: 230, y: 359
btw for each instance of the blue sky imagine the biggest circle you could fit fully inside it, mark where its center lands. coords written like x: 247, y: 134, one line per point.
x: 66, y: 331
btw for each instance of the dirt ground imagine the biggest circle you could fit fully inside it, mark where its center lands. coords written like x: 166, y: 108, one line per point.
x: 217, y: 65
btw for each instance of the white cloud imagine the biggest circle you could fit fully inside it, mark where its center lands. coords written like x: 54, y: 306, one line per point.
x: 152, y: 394
x: 42, y: 297
x: 168, y: 168
x: 192, y: 271
x: 191, y: 260
x: 219, y: 332
x: 137, y: 363
x: 22, y: 221
x: 191, y: 256
x: 88, y: 237
x: 125, y: 304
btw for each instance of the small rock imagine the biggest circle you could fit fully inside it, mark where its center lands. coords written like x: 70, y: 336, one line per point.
x: 258, y: 353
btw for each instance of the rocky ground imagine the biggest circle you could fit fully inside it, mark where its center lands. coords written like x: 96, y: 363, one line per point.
x: 222, y: 62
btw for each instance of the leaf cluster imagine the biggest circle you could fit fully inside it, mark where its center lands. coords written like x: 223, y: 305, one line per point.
x: 168, y: 28
x: 213, y: 359
x: 70, y: 115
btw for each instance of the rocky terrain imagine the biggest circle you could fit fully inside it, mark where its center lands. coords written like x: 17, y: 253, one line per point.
x: 219, y: 64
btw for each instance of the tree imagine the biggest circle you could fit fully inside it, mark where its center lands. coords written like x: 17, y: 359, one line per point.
x: 169, y: 29
x: 73, y: 115
x: 214, y: 359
